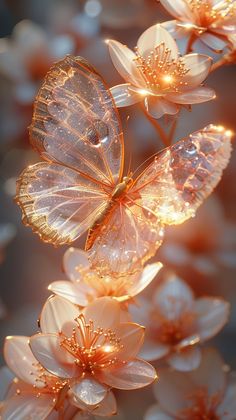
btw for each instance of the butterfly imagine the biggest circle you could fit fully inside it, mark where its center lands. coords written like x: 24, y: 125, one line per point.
x: 80, y: 184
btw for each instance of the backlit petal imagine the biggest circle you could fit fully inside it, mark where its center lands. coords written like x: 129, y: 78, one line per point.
x: 21, y: 360
x: 214, y: 42
x: 56, y: 313
x: 131, y: 336
x: 178, y: 8
x: 123, y: 96
x: 173, y: 297
x: 74, y: 261
x: 210, y: 374
x: 193, y: 96
x: 75, y: 293
x: 172, y: 390
x: 157, y: 107
x: 153, y: 350
x: 145, y: 278
x: 89, y: 391
x: 154, y: 36
x: 22, y: 407
x: 124, y: 60
x: 212, y: 316
x: 198, y: 66
x: 132, y: 375
x: 104, y: 312
x: 48, y: 351
x: 185, y: 360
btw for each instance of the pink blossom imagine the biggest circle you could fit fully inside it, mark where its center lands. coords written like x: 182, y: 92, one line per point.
x: 176, y: 323
x: 212, y: 21
x: 36, y: 390
x: 85, y: 285
x: 156, y: 74
x: 205, y: 393
x: 92, y: 349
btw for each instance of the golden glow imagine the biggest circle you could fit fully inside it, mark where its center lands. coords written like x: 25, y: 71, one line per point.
x: 168, y: 78
x: 229, y: 133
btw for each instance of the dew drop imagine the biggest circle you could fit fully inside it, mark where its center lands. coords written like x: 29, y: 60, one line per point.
x: 97, y: 133
x: 190, y: 149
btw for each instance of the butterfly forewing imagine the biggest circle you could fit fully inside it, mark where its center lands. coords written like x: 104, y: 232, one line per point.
x: 76, y: 128
x: 181, y: 178
x: 75, y: 121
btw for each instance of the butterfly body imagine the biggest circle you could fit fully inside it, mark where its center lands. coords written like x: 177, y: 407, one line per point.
x: 118, y: 194
x: 80, y: 186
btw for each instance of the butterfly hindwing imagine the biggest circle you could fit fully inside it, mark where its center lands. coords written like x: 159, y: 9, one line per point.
x: 181, y: 178
x: 57, y: 202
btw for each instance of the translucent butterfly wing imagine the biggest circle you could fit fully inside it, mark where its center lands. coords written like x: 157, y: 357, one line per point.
x: 75, y: 121
x: 129, y: 237
x: 169, y: 191
x: 57, y: 202
x: 178, y: 181
x: 76, y: 128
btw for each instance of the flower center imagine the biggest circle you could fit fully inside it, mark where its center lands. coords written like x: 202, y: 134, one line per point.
x: 207, y: 14
x: 172, y: 331
x: 93, y: 348
x: 203, y: 407
x: 106, y: 286
x: 161, y: 73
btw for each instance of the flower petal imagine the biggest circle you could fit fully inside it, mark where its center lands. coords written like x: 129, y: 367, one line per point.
x: 214, y: 42
x: 177, y: 31
x: 22, y: 406
x: 212, y: 315
x: 6, y: 378
x: 89, y: 391
x: 227, y: 409
x: 123, y: 96
x: 21, y: 360
x: 131, y: 336
x: 154, y: 36
x: 124, y: 61
x: 157, y: 107
x: 199, y: 66
x: 173, y: 390
x: 144, y: 278
x: 74, y: 261
x: 210, y: 374
x: 153, y: 350
x: 193, y: 96
x: 56, y: 313
x: 53, y: 357
x: 186, y: 359
x: 75, y: 293
x: 107, y: 407
x: 173, y: 298
x: 132, y: 375
x: 155, y: 412
x: 104, y: 312
x: 178, y: 8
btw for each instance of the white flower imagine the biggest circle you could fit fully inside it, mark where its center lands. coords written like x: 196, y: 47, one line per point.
x: 156, y: 73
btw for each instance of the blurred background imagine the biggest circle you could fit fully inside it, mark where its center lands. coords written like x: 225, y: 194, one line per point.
x: 34, y: 34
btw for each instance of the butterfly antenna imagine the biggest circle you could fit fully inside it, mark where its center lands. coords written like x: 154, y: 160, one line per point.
x: 147, y: 160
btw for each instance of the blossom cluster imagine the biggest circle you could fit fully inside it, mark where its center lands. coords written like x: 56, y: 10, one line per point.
x: 100, y: 330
